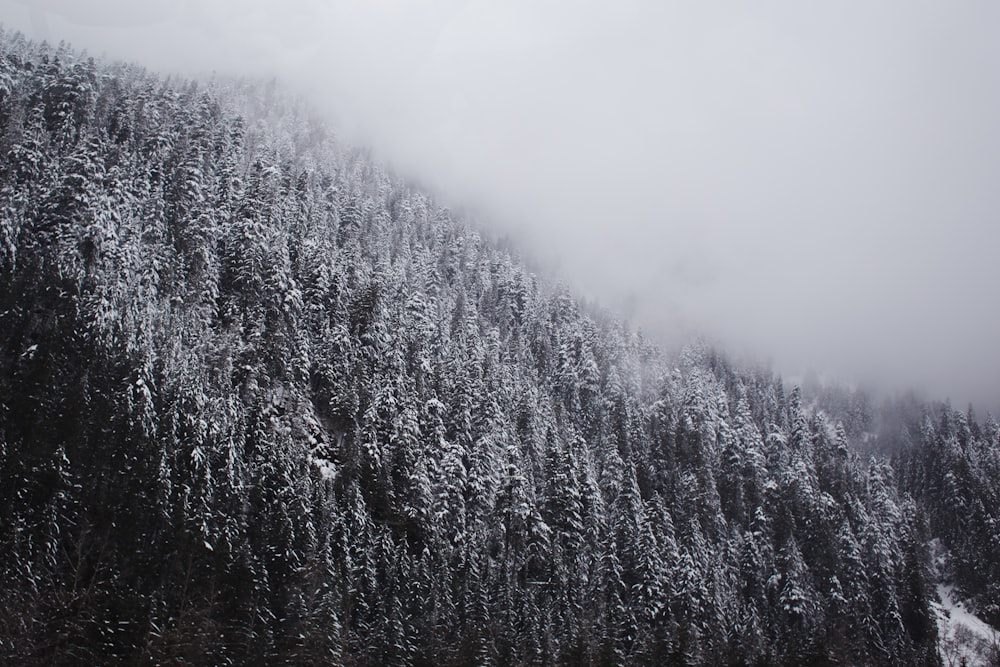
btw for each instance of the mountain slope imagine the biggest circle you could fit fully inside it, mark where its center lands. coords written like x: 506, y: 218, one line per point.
x: 263, y: 402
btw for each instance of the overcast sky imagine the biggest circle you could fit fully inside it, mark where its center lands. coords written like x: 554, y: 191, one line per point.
x: 814, y: 183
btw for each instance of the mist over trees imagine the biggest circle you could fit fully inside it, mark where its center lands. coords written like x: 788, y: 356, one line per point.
x: 262, y: 402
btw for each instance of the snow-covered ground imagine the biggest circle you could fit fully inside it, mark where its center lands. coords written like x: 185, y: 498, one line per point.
x: 964, y: 638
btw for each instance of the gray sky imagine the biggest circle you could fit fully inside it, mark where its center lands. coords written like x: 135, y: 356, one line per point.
x: 812, y: 183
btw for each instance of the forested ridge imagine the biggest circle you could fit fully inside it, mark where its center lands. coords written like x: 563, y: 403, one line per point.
x: 262, y: 402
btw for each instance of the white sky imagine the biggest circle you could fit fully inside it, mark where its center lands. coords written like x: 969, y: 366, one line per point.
x: 815, y: 183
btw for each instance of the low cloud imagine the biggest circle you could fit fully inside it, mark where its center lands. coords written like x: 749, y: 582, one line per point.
x: 814, y: 185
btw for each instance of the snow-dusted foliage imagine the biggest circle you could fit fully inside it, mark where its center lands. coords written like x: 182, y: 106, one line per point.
x: 263, y: 403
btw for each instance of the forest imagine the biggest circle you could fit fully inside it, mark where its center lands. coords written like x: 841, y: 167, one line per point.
x: 264, y: 402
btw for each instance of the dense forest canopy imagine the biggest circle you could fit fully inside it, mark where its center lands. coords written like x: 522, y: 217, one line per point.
x: 262, y: 402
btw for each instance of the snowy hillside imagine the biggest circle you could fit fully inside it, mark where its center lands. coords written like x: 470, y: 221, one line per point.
x: 261, y: 402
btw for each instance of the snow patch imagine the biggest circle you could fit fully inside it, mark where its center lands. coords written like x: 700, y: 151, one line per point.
x: 964, y: 638
x: 325, y: 467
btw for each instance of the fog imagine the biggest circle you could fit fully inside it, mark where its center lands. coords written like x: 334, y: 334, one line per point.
x: 818, y: 186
